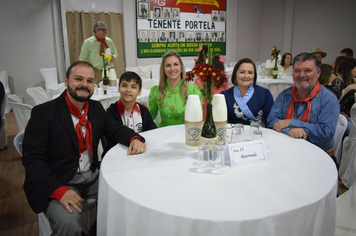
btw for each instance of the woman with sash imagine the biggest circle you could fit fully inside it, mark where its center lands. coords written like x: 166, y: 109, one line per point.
x: 246, y: 101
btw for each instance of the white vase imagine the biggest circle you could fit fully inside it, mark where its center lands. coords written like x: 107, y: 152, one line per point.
x: 193, y: 122
x: 220, y: 115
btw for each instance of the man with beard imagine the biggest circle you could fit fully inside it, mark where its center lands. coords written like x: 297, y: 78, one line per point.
x: 60, y: 151
x: 307, y: 110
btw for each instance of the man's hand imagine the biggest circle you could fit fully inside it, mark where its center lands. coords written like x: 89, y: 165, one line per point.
x: 71, y: 198
x: 136, y: 147
x: 281, y: 124
x: 112, y: 59
x: 297, y: 133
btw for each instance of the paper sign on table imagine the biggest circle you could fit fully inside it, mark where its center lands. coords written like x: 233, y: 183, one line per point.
x: 245, y: 153
x: 112, y: 90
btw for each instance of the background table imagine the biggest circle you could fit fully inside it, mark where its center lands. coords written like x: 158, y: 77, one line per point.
x: 293, y: 193
x: 276, y: 86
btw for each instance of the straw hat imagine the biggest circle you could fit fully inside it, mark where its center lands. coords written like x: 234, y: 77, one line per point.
x: 317, y: 50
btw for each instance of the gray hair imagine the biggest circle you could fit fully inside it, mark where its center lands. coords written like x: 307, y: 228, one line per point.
x: 306, y: 56
x: 97, y: 24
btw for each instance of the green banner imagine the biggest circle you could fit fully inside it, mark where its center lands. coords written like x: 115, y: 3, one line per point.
x: 184, y: 49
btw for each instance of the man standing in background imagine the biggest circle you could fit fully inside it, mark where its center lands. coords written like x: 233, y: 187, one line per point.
x: 95, y: 45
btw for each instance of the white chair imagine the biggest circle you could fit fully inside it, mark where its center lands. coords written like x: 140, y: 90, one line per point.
x: 51, y: 80
x: 339, y: 133
x: 346, y: 213
x: 5, y: 81
x: 188, y: 64
x: 134, y: 69
x: 347, y: 169
x: 233, y: 63
x: 22, y: 114
x: 18, y: 141
x: 144, y: 72
x: 38, y: 95
x: 155, y: 71
x: 108, y: 101
x: 14, y: 98
x: 148, y: 83
x: 277, y: 88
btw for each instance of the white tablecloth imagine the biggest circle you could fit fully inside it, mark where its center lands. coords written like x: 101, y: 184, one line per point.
x: 265, y: 82
x: 293, y: 193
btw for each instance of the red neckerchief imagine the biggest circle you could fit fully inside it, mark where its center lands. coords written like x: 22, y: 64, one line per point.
x: 121, y: 108
x: 83, y: 143
x: 306, y: 115
x: 103, y: 43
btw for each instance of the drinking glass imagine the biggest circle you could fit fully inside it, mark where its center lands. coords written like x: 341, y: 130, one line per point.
x: 253, y: 126
x: 236, y: 136
x: 263, y: 72
x: 257, y: 135
x: 218, y: 160
x: 203, y: 159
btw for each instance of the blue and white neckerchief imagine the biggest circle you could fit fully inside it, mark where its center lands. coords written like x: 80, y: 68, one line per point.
x: 242, y: 101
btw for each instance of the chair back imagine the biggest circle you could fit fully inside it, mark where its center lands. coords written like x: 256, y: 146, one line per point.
x: 339, y: 133
x: 14, y: 98
x: 277, y: 88
x: 155, y: 71
x: 38, y: 95
x: 108, y: 101
x: 144, y: 72
x: 148, y: 83
x: 50, y: 76
x: 22, y: 114
x: 346, y: 213
x: 18, y: 141
x: 51, y: 81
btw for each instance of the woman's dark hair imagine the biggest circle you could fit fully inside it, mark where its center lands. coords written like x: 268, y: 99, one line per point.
x: 217, y: 64
x: 345, y: 70
x: 337, y: 64
x: 237, y: 66
x: 326, y: 72
x: 284, y: 58
x: 202, y: 54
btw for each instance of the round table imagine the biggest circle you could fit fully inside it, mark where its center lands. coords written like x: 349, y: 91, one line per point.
x: 292, y: 193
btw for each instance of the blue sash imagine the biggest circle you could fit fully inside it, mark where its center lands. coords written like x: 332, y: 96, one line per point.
x: 242, y: 101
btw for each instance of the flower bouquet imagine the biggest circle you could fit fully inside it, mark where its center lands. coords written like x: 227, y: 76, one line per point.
x: 210, y: 78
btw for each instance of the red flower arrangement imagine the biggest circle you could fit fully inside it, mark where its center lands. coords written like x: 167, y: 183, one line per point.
x: 275, y: 53
x: 210, y: 77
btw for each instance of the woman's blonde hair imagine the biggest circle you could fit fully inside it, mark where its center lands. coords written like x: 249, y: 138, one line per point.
x: 162, y: 87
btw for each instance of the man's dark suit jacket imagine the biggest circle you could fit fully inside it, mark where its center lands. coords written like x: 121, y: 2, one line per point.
x: 50, y: 147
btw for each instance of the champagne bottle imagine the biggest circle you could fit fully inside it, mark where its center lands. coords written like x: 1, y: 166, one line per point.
x: 275, y: 70
x: 209, y: 129
x: 105, y: 82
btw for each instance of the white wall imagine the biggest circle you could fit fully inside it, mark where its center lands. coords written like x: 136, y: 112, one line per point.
x: 27, y: 42
x: 31, y: 37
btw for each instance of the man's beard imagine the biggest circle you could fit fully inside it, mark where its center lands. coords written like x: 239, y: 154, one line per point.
x: 74, y: 95
x: 308, y: 87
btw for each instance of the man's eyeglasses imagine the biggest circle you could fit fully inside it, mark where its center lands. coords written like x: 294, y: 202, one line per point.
x: 105, y: 30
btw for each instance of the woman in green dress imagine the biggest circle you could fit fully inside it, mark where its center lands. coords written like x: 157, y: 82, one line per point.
x: 170, y: 96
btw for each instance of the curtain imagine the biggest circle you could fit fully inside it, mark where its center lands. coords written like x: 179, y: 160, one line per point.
x: 80, y: 27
